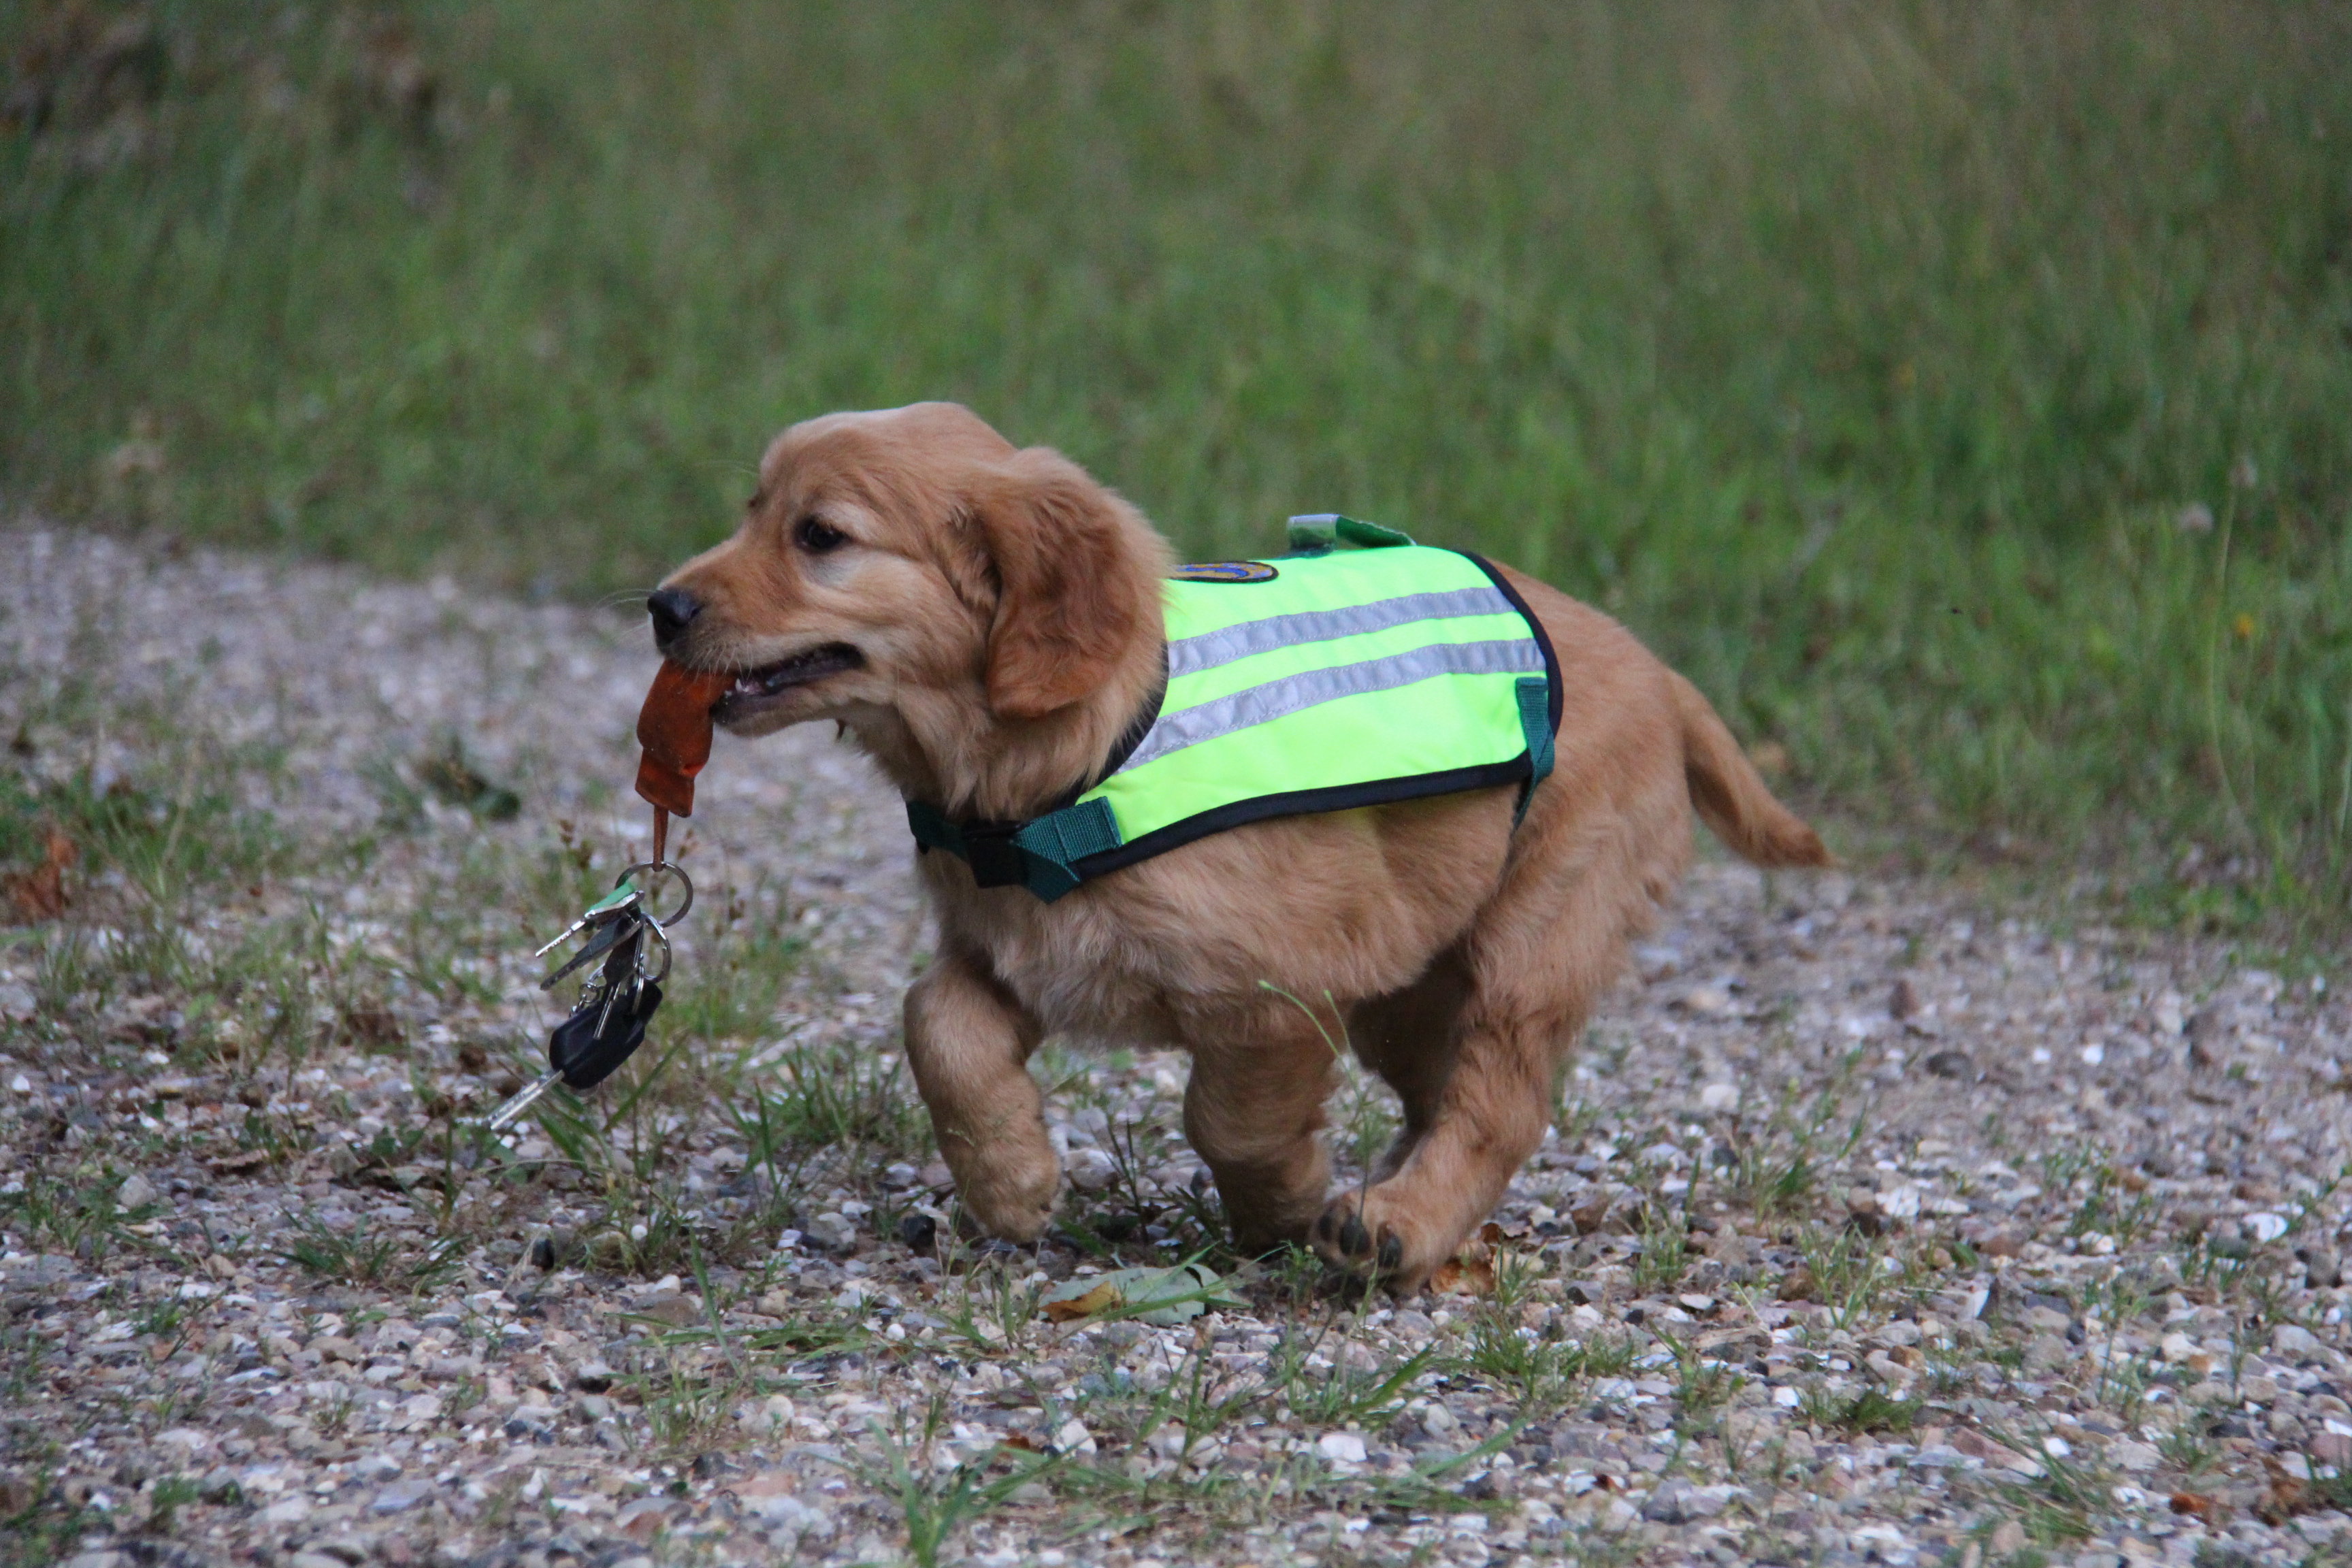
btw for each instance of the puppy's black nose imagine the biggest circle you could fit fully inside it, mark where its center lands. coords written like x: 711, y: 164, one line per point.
x: 671, y: 609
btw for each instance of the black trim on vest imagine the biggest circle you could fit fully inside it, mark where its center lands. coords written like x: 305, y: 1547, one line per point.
x: 1302, y: 803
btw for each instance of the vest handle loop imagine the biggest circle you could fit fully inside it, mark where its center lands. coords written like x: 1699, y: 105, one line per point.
x: 1321, y: 531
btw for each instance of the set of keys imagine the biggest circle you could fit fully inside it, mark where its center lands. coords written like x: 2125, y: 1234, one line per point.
x: 618, y: 998
x: 622, y: 989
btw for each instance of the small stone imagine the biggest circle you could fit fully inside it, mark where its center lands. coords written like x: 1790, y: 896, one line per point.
x: 919, y: 1232
x: 1670, y: 1503
x: 1952, y: 1065
x: 1902, y: 999
x: 592, y: 1377
x: 1346, y: 1448
x: 677, y: 1311
x: 2295, y: 1342
x: 831, y: 1230
x: 2323, y: 1268
x: 136, y: 1192
x: 1091, y: 1170
x: 401, y: 1496
x: 1718, y: 1097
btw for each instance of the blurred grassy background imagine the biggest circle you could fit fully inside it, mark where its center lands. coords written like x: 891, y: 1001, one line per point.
x: 1962, y: 394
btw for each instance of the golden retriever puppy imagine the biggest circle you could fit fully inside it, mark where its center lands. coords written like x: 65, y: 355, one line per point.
x: 985, y: 622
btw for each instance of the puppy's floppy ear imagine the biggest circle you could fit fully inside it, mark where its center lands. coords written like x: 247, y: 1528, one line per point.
x: 1062, y: 550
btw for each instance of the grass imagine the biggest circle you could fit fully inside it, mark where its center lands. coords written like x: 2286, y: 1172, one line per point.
x: 1871, y: 1410
x: 1956, y: 394
x: 356, y: 1257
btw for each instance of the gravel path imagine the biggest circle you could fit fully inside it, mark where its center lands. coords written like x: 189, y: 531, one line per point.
x: 1877, y: 1227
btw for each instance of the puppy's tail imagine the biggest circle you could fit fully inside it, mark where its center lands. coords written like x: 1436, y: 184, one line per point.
x: 1730, y: 797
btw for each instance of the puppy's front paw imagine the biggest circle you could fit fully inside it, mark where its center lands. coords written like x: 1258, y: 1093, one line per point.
x: 1009, y: 1191
x: 1373, y: 1233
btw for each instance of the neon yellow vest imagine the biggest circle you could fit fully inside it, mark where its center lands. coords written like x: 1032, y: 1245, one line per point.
x: 1360, y: 669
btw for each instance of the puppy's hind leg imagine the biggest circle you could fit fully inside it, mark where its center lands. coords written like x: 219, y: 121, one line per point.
x: 1537, y: 958
x: 1408, y: 1038
x: 1252, y: 1111
x: 969, y: 1043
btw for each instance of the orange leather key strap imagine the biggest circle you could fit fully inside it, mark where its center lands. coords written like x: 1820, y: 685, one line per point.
x: 674, y: 728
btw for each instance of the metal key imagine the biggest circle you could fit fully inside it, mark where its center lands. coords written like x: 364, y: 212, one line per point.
x: 616, y: 929
x: 504, y: 1115
x: 623, y: 895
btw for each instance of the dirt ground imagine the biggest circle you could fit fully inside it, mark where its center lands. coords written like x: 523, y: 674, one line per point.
x: 1877, y: 1226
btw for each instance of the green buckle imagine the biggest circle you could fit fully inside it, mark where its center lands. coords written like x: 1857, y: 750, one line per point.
x: 1039, y: 855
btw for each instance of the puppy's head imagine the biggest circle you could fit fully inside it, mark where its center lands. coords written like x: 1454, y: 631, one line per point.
x: 913, y: 559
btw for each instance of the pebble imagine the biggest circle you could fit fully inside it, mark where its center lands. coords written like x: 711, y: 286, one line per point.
x: 1346, y: 1448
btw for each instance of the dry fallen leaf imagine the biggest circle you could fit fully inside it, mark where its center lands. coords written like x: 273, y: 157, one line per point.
x: 1164, y: 1297
x: 1455, y: 1277
x: 1592, y: 1212
x: 40, y: 894
x: 1471, y: 1271
x: 2198, y: 1503
x: 1101, y: 1298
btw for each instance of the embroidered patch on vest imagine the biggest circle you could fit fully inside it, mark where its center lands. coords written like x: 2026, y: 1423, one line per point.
x: 1224, y: 571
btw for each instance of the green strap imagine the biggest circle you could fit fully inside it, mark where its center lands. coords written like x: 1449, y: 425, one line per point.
x: 1534, y: 692
x: 1039, y: 855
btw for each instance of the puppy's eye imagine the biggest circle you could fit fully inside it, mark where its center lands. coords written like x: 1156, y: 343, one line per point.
x: 817, y: 536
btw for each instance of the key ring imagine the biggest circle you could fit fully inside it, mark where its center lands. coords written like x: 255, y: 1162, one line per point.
x: 662, y: 937
x: 653, y: 870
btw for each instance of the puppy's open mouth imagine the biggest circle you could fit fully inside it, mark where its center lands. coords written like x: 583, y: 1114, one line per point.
x: 750, y: 686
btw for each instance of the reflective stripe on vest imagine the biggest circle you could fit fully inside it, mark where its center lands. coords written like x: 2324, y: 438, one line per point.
x: 1350, y: 678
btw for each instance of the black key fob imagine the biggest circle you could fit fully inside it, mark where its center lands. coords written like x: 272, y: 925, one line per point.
x: 586, y: 1054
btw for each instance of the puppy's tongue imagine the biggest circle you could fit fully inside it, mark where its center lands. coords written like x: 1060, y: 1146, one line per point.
x: 674, y: 728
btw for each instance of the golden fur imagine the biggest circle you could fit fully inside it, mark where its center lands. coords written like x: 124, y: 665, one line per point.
x: 1003, y: 609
